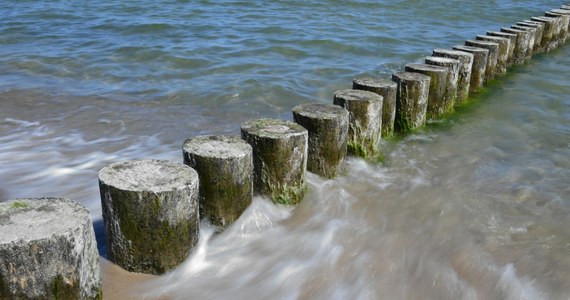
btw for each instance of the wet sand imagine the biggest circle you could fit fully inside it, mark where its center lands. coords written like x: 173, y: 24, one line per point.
x: 121, y: 284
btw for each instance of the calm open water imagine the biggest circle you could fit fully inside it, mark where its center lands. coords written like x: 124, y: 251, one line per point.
x: 477, y: 207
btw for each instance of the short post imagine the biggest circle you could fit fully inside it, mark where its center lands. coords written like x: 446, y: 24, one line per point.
x: 464, y: 76
x: 387, y: 89
x: 549, y: 37
x: 327, y: 125
x: 512, y: 44
x: 521, y: 47
x: 48, y: 250
x: 502, y: 55
x: 225, y: 168
x: 532, y: 38
x: 452, y: 66
x: 537, y: 47
x: 479, y: 66
x: 411, y: 100
x: 438, y: 102
x: 491, y: 59
x: 365, y: 120
x: 565, y: 16
x: 150, y: 212
x: 279, y: 158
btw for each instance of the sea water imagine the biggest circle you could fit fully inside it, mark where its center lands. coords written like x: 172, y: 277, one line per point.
x: 474, y: 207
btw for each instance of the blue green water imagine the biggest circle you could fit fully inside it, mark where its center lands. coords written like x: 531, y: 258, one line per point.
x: 478, y: 209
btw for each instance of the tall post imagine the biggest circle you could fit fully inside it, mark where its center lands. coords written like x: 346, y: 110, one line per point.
x: 411, y: 100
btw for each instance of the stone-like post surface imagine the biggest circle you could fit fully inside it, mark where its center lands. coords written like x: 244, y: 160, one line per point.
x: 565, y: 20
x: 532, y: 38
x: 464, y: 76
x: 537, y: 47
x: 279, y: 158
x: 512, y: 44
x: 150, y: 212
x: 452, y: 66
x: 47, y: 250
x: 502, y: 55
x: 328, y: 129
x: 549, y: 36
x: 479, y: 66
x: 225, y: 168
x: 411, y: 100
x: 493, y: 48
x: 387, y: 89
x: 438, y: 101
x: 365, y: 120
x: 521, y: 47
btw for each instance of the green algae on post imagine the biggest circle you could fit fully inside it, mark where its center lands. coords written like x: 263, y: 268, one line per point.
x: 327, y: 125
x: 491, y: 58
x: 48, y: 250
x: 537, y: 47
x: 225, y: 168
x: 521, y: 46
x: 279, y: 158
x: 464, y: 73
x: 452, y: 66
x: 365, y: 121
x: 479, y: 66
x: 387, y: 89
x: 438, y: 101
x: 150, y: 212
x: 411, y: 100
x: 503, y: 51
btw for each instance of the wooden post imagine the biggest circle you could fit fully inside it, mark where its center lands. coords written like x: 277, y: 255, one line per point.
x: 565, y: 19
x: 411, y: 100
x: 521, y: 48
x: 479, y: 65
x: 438, y: 101
x: 491, y: 59
x: 225, y: 168
x: 502, y: 55
x: 452, y: 66
x: 464, y: 76
x: 538, y: 45
x: 150, y: 212
x: 512, y: 44
x: 387, y: 89
x: 279, y: 158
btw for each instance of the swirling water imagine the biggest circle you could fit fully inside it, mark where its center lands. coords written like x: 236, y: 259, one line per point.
x: 476, y: 209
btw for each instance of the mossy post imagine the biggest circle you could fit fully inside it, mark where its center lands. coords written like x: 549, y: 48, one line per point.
x: 150, y: 212
x: 327, y: 125
x: 225, y: 168
x: 452, y: 66
x: 521, y: 46
x: 438, y: 102
x: 411, y: 100
x: 538, y: 45
x: 549, y: 36
x: 512, y: 45
x: 564, y: 15
x: 48, y: 250
x: 479, y: 66
x: 464, y: 76
x: 502, y: 55
x: 532, y: 38
x: 279, y: 158
x: 365, y: 121
x: 387, y: 89
x: 493, y: 48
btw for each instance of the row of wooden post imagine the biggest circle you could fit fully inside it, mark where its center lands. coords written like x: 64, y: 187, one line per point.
x: 152, y: 208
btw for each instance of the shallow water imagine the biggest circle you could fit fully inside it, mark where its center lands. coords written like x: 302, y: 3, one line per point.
x: 474, y: 207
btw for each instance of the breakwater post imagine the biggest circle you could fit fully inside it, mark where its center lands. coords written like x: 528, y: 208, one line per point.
x: 464, y: 73
x: 452, y: 66
x: 478, y: 67
x: 521, y: 46
x: 538, y: 45
x: 365, y: 121
x: 491, y: 58
x: 549, y: 41
x: 512, y: 44
x: 225, y: 169
x: 438, y: 102
x: 48, y: 250
x: 327, y: 125
x: 150, y: 212
x: 387, y: 89
x: 279, y: 158
x: 533, y: 36
x: 564, y: 15
x: 503, y: 53
x: 411, y: 100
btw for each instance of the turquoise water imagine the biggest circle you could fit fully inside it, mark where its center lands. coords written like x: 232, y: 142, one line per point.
x: 475, y: 207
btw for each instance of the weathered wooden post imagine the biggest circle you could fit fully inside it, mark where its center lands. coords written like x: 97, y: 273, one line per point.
x: 452, y: 66
x: 502, y: 55
x: 150, y: 212
x: 438, y: 102
x: 565, y: 19
x: 365, y: 120
x: 537, y: 47
x: 279, y: 158
x: 387, y: 89
x: 549, y: 37
x: 491, y: 59
x: 521, y: 47
x: 411, y: 100
x: 479, y: 66
x: 532, y: 37
x: 512, y: 44
x: 464, y: 76
x: 327, y: 125
x: 225, y: 168
x: 47, y: 250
